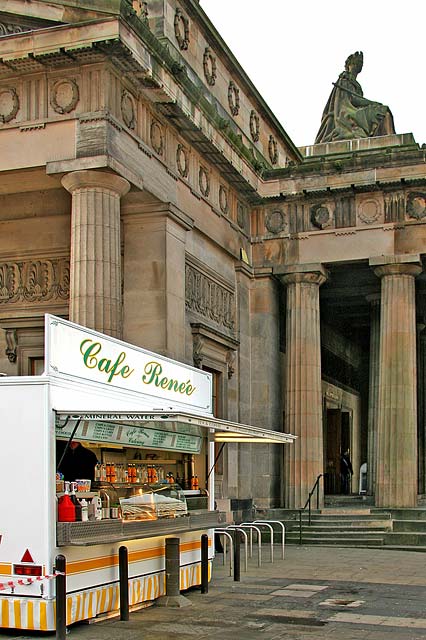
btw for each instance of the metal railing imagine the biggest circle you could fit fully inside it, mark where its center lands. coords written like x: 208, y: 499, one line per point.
x: 316, y: 488
x: 282, y: 527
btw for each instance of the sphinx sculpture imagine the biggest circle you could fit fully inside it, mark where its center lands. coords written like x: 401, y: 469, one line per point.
x: 347, y: 114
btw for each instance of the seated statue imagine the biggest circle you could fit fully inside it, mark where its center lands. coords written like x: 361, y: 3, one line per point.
x: 347, y: 114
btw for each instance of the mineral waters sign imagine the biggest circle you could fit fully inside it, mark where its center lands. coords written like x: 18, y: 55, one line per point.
x: 87, y: 355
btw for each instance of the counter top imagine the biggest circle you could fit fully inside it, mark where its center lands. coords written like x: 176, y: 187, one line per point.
x: 106, y: 531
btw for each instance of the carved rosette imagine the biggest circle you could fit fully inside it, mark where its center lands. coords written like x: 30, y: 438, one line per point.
x: 182, y: 160
x: 234, y: 98
x: 275, y: 221
x: 208, y: 298
x: 321, y: 216
x: 181, y: 24
x: 64, y: 96
x: 416, y: 205
x: 204, y: 182
x: 157, y: 140
x: 209, y: 67
x: 34, y: 281
x: 128, y: 109
x: 9, y: 104
x: 254, y: 126
x: 7, y: 29
x: 273, y: 150
x: 224, y: 199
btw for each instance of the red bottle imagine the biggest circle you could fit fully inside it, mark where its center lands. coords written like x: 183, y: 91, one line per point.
x: 66, y: 507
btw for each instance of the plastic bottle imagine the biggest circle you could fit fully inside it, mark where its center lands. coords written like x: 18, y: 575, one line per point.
x: 66, y: 507
x: 96, y: 508
x: 196, y: 483
x: 84, y: 510
x: 75, y: 501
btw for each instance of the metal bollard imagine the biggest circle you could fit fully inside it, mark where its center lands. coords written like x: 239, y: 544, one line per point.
x: 123, y: 572
x: 237, y: 556
x: 61, y: 598
x: 172, y: 567
x: 204, y: 563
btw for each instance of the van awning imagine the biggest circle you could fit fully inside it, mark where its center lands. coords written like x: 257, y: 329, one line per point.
x: 183, y: 423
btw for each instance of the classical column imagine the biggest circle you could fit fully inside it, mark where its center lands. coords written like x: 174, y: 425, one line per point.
x: 421, y: 434
x: 303, y: 401
x: 396, y: 472
x: 373, y: 391
x: 95, y: 287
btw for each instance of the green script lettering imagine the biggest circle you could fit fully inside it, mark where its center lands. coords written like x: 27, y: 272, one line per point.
x: 153, y: 375
x: 90, y: 350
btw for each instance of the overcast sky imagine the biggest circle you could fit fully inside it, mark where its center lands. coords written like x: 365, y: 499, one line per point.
x: 293, y: 50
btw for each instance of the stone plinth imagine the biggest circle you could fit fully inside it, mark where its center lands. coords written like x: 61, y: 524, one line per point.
x: 396, y: 470
x: 303, y: 405
x: 95, y: 288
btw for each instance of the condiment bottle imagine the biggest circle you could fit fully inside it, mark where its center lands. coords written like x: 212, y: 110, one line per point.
x: 66, y: 507
x: 75, y: 501
x: 84, y: 510
x: 96, y: 508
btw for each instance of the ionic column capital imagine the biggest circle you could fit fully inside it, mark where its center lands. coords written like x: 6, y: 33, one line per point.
x: 302, y: 273
x: 87, y: 179
x: 399, y: 265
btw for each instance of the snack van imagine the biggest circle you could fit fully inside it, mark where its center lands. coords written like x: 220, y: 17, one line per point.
x: 137, y: 411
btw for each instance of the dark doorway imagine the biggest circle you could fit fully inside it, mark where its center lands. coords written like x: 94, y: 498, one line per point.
x: 337, y: 440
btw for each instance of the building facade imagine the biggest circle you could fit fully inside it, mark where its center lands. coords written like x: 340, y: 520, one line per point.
x: 148, y: 192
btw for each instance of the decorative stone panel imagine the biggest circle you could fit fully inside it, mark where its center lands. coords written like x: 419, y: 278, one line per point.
x: 273, y: 150
x: 369, y: 211
x: 34, y: 281
x: 182, y: 160
x: 209, y: 67
x: 321, y: 216
x: 224, y: 199
x: 394, y: 206
x: 128, y: 109
x: 275, y: 221
x: 211, y: 299
x: 157, y: 139
x: 204, y: 182
x: 254, y: 126
x: 233, y: 98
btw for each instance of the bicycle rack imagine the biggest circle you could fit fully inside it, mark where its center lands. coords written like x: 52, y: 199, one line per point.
x: 263, y: 523
x: 259, y: 539
x: 271, y: 522
x: 241, y: 530
x: 231, y: 546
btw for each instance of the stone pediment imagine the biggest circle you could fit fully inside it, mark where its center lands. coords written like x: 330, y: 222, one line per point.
x: 10, y: 24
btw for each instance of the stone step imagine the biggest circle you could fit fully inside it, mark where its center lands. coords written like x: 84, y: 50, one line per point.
x: 404, y: 514
x: 315, y: 517
x: 417, y: 526
x: 338, y: 541
x: 341, y: 528
x: 405, y: 538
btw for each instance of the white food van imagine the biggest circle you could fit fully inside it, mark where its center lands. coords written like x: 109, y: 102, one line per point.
x: 139, y: 412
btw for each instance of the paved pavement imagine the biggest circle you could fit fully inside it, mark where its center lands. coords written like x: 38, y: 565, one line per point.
x: 313, y: 594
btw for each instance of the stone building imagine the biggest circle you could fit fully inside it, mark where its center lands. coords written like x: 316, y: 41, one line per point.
x: 148, y: 192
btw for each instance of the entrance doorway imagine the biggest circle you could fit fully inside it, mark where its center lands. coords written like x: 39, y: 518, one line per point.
x: 337, y: 440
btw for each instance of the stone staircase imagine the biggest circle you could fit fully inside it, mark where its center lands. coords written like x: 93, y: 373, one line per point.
x: 355, y: 523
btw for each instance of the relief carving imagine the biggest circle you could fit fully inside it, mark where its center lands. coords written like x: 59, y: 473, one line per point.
x: 7, y: 29
x: 9, y: 104
x: 234, y: 98
x: 157, y: 138
x: 254, y: 126
x: 65, y: 96
x: 273, y: 150
x: 320, y: 216
x: 181, y: 24
x: 182, y: 161
x: 209, y: 66
x: 205, y: 296
x: 416, y: 205
x: 394, y: 207
x: 369, y: 211
x: 34, y: 281
x: 11, y: 344
x: 275, y: 221
x: 231, y: 357
x: 223, y: 199
x: 197, y: 350
x: 204, y: 182
x: 128, y: 110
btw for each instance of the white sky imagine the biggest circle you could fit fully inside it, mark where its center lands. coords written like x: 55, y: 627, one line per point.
x: 293, y: 50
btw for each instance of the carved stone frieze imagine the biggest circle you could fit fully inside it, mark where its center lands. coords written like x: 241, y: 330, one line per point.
x: 416, y: 205
x: 394, y: 206
x: 231, y: 357
x: 273, y: 150
x: 11, y: 344
x: 224, y: 199
x: 64, y: 96
x: 6, y: 28
x: 204, y: 182
x: 34, y: 281
x: 128, y: 109
x: 181, y: 24
x: 157, y: 139
x: 321, y: 216
x: 209, y: 67
x: 254, y: 126
x: 182, y: 160
x: 275, y: 221
x: 9, y: 104
x: 369, y: 211
x: 208, y: 298
x: 234, y: 98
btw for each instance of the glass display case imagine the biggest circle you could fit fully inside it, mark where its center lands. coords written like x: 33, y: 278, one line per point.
x: 152, y: 501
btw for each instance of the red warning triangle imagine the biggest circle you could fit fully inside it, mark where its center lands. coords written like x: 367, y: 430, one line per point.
x: 27, y: 557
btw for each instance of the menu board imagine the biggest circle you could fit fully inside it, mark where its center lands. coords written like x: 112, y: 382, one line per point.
x: 131, y: 435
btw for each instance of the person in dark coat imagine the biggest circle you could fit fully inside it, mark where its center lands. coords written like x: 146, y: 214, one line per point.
x: 346, y: 472
x: 78, y: 462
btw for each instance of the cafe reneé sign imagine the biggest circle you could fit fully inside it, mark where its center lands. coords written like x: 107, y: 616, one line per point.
x: 85, y: 354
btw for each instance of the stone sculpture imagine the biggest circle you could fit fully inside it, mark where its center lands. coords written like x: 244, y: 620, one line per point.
x: 347, y: 114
